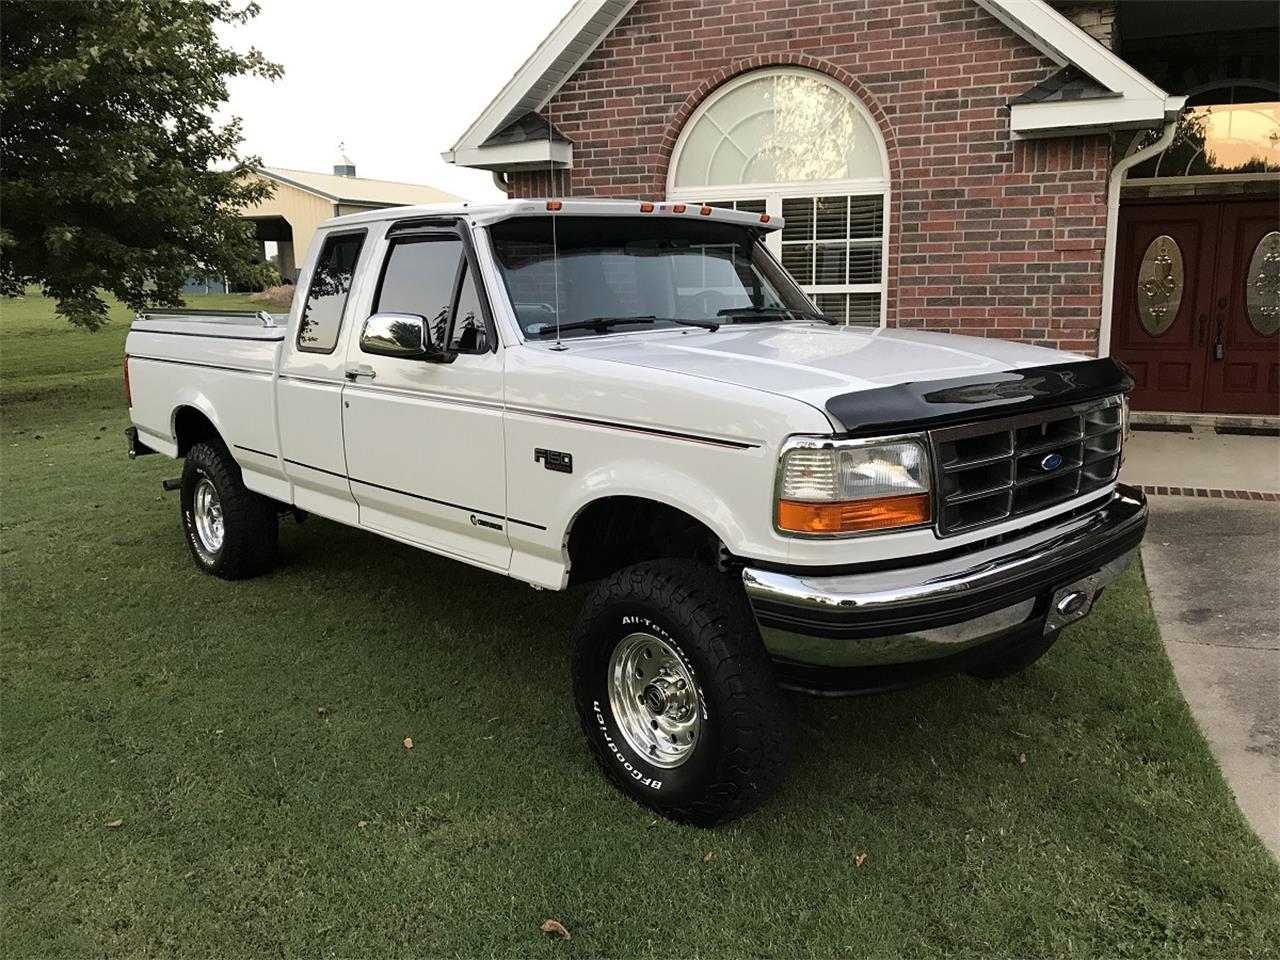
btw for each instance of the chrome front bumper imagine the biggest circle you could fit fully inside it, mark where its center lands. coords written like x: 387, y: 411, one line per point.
x: 1037, y: 583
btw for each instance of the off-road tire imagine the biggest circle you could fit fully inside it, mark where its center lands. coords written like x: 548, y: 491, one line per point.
x: 744, y: 745
x: 1016, y: 659
x: 251, y: 521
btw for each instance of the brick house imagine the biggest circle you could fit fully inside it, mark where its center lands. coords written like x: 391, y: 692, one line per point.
x: 1096, y: 176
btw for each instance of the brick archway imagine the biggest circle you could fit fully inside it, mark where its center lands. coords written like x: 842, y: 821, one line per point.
x: 736, y: 69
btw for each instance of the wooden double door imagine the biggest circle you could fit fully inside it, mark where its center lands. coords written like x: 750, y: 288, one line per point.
x: 1198, y: 304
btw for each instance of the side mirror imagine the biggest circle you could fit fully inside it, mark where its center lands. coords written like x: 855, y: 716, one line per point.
x: 406, y: 336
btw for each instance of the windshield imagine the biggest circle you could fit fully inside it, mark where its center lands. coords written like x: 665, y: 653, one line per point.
x: 623, y: 274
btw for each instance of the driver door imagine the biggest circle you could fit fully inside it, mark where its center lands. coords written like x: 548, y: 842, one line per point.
x: 424, y: 439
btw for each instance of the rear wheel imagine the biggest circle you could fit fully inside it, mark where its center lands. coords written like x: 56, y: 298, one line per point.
x: 675, y: 692
x: 231, y: 531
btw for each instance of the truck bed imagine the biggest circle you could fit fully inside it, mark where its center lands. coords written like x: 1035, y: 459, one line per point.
x: 220, y: 363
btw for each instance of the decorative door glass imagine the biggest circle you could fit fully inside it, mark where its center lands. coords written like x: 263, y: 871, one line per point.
x: 1160, y: 285
x: 1262, y: 285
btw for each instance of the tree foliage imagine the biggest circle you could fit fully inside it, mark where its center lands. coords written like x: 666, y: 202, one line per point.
x: 114, y: 174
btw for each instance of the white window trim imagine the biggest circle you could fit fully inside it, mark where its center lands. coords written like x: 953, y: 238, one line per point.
x: 774, y: 193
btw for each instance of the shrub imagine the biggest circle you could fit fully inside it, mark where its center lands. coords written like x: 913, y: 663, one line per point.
x: 280, y: 297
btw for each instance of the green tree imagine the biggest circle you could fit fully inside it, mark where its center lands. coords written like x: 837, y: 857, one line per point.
x: 114, y: 174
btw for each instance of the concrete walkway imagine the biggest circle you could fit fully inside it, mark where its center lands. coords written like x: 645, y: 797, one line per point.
x: 1203, y: 459
x: 1213, y: 568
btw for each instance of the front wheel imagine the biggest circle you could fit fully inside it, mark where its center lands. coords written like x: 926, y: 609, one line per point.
x: 675, y: 693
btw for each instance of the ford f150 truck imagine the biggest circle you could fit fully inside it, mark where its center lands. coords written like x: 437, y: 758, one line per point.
x: 637, y: 395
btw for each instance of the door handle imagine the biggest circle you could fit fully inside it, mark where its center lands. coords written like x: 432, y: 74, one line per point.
x: 1219, y: 348
x: 362, y: 370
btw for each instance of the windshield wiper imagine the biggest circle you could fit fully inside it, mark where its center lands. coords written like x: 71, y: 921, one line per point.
x: 598, y: 324
x: 605, y: 324
x: 763, y: 314
x: 690, y: 322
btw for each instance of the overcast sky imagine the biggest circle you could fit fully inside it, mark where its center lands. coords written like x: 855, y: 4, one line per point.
x: 396, y: 81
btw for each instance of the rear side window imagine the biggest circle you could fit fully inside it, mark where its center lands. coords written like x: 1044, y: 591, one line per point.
x: 327, y: 295
x: 422, y: 277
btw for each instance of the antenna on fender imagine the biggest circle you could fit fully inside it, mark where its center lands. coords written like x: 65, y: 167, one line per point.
x: 554, y: 207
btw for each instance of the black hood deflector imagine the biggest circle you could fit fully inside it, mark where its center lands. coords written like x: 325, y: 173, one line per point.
x: 907, y: 407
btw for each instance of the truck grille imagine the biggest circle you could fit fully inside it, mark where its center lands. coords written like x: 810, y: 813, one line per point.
x: 1000, y: 469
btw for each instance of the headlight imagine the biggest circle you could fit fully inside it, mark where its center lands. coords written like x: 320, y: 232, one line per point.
x: 833, y: 488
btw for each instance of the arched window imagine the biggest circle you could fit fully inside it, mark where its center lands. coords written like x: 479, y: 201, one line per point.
x: 1227, y: 129
x: 797, y: 144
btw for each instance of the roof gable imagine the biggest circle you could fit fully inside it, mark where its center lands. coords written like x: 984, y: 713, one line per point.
x: 556, y: 59
x: 1137, y: 101
x: 1129, y: 99
x: 357, y: 190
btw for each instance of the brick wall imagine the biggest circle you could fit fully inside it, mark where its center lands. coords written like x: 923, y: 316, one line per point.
x: 987, y: 237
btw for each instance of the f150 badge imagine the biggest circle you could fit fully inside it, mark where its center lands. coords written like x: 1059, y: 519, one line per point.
x: 554, y: 460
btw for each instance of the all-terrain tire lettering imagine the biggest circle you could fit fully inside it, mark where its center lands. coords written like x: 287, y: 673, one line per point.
x: 741, y: 755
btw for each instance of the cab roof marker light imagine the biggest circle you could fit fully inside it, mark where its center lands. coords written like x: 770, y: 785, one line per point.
x: 764, y: 218
x: 646, y: 207
x: 678, y: 208
x: 554, y: 205
x: 705, y: 211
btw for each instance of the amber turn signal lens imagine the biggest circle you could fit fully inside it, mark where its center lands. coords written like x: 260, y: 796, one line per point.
x: 850, y: 516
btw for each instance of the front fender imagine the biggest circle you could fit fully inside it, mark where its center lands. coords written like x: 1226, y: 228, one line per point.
x: 647, y: 480
x: 727, y: 491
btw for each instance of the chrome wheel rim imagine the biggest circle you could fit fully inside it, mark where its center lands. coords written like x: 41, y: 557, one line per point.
x: 208, y: 516
x: 655, y: 700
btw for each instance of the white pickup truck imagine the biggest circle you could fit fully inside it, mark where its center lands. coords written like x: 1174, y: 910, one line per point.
x: 638, y: 395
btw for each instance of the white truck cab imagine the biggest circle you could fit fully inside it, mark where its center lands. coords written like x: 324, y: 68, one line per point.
x: 637, y: 395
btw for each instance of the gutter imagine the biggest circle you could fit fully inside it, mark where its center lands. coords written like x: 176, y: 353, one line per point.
x: 1173, y: 108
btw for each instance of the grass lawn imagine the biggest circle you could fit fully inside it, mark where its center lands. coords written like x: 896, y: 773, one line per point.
x: 39, y: 352
x: 135, y: 688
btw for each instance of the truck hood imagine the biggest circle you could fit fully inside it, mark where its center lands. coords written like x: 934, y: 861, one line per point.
x: 815, y: 362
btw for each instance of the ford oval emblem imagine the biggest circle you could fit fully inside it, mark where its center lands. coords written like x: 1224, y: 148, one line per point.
x: 1052, y: 461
